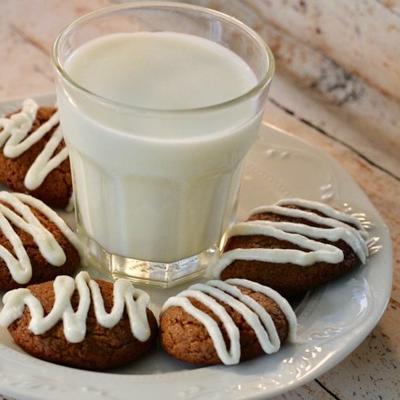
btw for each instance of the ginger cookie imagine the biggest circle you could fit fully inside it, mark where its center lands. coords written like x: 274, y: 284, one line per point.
x: 225, y: 322
x: 81, y: 323
x: 33, y: 156
x: 36, y: 244
x: 293, y: 246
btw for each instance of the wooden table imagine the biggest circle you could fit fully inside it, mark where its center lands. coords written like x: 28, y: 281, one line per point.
x: 349, y: 119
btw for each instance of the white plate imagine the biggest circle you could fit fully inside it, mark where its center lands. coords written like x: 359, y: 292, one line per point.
x: 333, y: 321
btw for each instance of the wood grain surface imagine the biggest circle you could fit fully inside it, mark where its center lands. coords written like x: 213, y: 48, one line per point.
x: 313, y: 96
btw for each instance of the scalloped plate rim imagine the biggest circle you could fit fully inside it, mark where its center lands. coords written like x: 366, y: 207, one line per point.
x: 352, y: 340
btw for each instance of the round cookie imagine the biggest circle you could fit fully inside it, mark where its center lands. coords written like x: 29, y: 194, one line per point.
x: 38, y: 163
x: 36, y: 245
x: 225, y: 322
x: 293, y: 246
x: 90, y: 344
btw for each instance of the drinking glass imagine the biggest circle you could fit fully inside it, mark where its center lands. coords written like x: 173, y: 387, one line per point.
x: 155, y: 189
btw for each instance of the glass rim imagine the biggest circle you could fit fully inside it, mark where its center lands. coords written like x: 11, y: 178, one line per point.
x: 262, y: 83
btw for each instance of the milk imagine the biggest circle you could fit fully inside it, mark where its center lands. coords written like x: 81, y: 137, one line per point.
x: 156, y: 185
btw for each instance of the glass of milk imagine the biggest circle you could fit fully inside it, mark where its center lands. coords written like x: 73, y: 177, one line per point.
x: 159, y: 104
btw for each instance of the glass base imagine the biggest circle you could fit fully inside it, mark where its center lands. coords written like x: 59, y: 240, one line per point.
x: 146, y: 272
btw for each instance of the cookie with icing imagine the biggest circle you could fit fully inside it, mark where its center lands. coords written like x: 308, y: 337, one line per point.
x: 81, y: 322
x: 36, y: 245
x: 225, y: 322
x: 33, y: 156
x: 293, y: 246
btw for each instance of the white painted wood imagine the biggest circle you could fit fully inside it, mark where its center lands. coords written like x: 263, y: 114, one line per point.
x: 310, y: 85
x: 372, y: 370
x: 307, y: 392
x: 363, y: 36
x: 368, y: 124
x: 356, y: 113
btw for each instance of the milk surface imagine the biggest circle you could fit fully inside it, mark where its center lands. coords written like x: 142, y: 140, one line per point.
x: 151, y: 185
x: 160, y: 70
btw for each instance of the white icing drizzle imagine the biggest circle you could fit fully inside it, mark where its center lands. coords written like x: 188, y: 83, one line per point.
x: 74, y: 322
x: 334, y: 217
x: 302, y: 235
x: 14, y: 137
x: 324, y: 209
x: 71, y: 203
x: 253, y: 313
x: 22, y: 217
